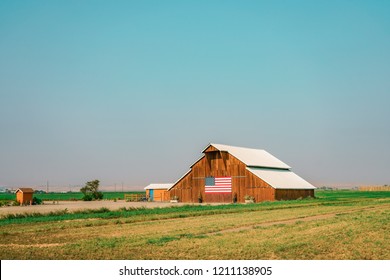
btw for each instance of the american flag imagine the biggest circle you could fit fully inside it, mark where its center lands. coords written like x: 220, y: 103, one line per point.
x: 218, y: 185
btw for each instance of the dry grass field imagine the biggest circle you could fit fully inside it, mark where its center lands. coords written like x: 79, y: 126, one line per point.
x: 335, y: 225
x: 73, y: 206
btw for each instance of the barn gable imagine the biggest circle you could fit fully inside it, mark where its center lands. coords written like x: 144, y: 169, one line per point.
x: 25, y: 190
x: 250, y: 157
x: 251, y: 172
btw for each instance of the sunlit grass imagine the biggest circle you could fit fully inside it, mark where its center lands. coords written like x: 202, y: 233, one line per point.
x: 68, y: 195
x: 330, y: 227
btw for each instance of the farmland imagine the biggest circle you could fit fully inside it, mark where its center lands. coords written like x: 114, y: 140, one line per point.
x: 335, y: 225
x: 68, y: 195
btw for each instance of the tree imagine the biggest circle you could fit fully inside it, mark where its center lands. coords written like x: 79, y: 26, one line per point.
x: 91, y: 191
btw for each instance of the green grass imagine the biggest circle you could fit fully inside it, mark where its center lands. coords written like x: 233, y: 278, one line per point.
x: 147, y: 213
x: 68, y: 196
x: 348, y: 194
x: 7, y: 196
x: 325, y: 199
x: 336, y: 225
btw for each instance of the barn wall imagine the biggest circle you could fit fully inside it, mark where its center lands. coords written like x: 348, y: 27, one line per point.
x: 159, y: 195
x: 221, y: 164
x: 24, y: 198
x: 19, y: 197
x: 283, y: 194
x: 166, y: 196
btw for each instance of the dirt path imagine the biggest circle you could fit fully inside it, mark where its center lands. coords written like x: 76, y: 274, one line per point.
x: 304, y: 219
x: 72, y: 206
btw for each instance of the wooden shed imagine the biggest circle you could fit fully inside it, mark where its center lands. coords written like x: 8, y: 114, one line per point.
x: 230, y: 174
x: 157, y: 192
x: 24, y: 195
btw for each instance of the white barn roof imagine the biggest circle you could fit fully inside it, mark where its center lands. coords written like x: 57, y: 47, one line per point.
x: 158, y: 187
x: 281, y: 178
x: 252, y: 157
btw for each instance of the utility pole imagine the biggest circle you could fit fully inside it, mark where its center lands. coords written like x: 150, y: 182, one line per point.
x: 47, y: 186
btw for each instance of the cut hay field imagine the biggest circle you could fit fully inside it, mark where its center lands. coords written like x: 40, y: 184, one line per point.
x: 335, y: 225
x: 58, y: 196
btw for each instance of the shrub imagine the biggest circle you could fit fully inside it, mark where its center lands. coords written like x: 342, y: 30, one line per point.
x: 97, y: 195
x: 87, y: 197
x: 90, y: 191
x: 248, y: 197
x: 15, y: 203
x: 3, y: 203
x: 36, y: 201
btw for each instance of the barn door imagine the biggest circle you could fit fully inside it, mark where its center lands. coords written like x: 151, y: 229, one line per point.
x: 151, y: 195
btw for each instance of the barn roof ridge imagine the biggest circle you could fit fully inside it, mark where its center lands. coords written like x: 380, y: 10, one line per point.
x: 25, y: 190
x: 158, y: 186
x: 251, y: 157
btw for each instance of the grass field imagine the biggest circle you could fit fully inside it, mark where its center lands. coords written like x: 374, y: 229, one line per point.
x: 335, y: 225
x: 67, y: 196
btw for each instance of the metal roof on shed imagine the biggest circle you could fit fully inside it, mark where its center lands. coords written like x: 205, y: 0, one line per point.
x: 252, y: 157
x: 281, y: 178
x: 25, y: 190
x: 158, y: 187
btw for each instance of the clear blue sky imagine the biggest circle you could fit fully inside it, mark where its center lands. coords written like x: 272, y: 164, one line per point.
x: 132, y: 91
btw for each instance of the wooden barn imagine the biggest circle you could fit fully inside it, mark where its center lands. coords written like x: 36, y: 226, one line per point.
x: 24, y: 195
x: 231, y: 174
x: 157, y: 192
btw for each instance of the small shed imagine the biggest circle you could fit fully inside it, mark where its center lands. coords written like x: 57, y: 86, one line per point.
x: 157, y: 192
x: 24, y: 195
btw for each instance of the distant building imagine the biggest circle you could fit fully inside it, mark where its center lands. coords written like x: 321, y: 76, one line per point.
x: 24, y: 195
x: 2, y: 189
x: 157, y: 192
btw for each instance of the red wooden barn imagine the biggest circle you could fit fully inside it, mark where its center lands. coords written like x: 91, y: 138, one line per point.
x: 228, y: 174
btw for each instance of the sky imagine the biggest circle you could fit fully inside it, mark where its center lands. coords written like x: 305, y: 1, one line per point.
x: 132, y: 91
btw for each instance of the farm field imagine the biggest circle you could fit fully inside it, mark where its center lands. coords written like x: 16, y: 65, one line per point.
x: 58, y: 196
x: 76, y: 206
x: 335, y: 225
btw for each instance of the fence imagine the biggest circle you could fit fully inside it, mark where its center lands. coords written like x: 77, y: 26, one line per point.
x: 135, y: 197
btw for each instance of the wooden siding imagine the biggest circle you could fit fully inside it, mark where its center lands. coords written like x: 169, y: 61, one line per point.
x: 24, y: 198
x: 288, y: 194
x: 221, y: 164
x: 159, y: 195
